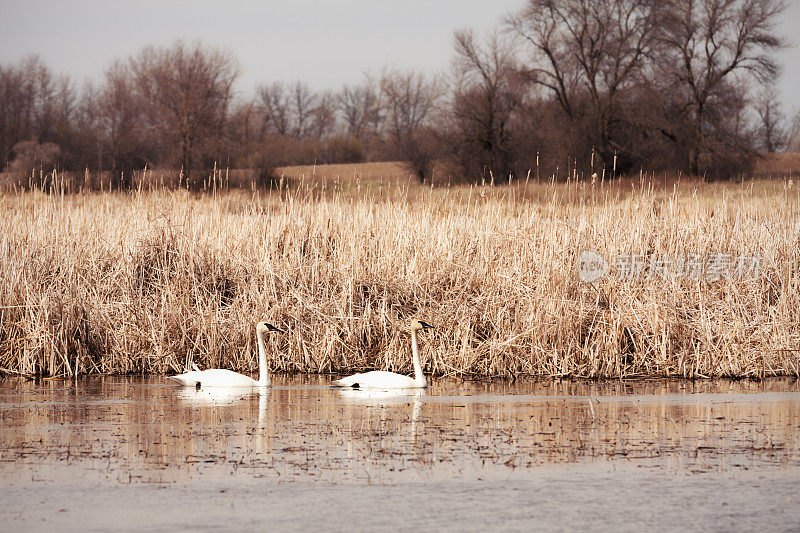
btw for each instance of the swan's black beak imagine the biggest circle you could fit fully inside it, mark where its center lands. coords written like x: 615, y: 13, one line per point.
x: 425, y: 325
x: 270, y: 327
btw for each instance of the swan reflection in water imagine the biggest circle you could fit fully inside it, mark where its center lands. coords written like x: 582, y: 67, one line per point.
x: 235, y: 404
x: 226, y: 396
x: 217, y: 396
x: 380, y: 396
x: 386, y: 397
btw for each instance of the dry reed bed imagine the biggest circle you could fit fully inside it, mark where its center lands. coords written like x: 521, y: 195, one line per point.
x: 107, y: 283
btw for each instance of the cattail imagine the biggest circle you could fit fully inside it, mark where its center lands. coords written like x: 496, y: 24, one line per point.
x: 112, y: 283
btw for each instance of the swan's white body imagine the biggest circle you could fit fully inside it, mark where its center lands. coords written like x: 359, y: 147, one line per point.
x: 219, y: 377
x: 215, y: 377
x: 380, y: 379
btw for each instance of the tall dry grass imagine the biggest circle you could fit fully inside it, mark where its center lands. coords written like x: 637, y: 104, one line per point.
x: 106, y: 283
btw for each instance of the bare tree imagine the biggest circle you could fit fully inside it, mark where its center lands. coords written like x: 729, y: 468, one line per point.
x: 793, y: 136
x: 303, y: 102
x: 246, y: 121
x: 39, y: 86
x: 294, y: 110
x: 705, y: 47
x: 323, y: 119
x: 488, y: 89
x: 275, y: 104
x: 409, y: 100
x: 36, y: 105
x: 772, y: 132
x: 120, y: 119
x: 588, y: 51
x: 87, y: 124
x: 12, y: 121
x: 187, y: 90
x: 360, y: 109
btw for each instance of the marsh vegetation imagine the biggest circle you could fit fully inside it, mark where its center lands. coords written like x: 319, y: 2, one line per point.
x: 140, y: 282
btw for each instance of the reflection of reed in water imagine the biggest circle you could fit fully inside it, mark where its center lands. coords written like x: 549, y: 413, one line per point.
x: 121, y: 427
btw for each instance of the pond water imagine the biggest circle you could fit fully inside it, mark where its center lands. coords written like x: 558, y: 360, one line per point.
x: 144, y: 454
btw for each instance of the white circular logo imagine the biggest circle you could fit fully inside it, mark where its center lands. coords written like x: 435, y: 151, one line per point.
x: 591, y: 266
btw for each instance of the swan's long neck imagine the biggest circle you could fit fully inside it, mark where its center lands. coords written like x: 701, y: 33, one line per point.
x: 419, y: 377
x: 263, y: 373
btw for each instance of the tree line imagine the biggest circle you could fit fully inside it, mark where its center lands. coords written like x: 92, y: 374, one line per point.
x: 607, y: 86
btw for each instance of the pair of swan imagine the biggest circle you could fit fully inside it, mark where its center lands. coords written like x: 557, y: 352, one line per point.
x: 378, y: 379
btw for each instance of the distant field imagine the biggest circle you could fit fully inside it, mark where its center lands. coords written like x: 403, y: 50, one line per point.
x: 139, y: 282
x: 352, y: 177
x: 765, y: 166
x: 391, y: 171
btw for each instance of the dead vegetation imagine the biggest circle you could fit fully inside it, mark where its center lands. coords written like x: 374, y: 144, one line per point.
x: 135, y: 282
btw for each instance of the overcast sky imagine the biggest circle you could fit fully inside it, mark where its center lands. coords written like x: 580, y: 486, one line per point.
x: 323, y: 43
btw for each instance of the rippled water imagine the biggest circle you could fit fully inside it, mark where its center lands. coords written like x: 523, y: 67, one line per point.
x: 145, y: 454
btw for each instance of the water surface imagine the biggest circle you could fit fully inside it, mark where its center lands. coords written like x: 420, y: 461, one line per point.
x: 145, y: 454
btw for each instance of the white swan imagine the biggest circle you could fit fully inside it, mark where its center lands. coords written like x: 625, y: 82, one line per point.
x: 380, y: 379
x: 219, y: 377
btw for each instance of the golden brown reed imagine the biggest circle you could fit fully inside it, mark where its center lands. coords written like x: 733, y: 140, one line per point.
x: 108, y: 283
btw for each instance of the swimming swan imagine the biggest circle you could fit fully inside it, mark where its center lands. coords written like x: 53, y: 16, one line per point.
x: 380, y: 379
x: 218, y: 377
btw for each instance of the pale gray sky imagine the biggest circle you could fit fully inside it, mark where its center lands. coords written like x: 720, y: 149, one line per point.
x: 324, y: 43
